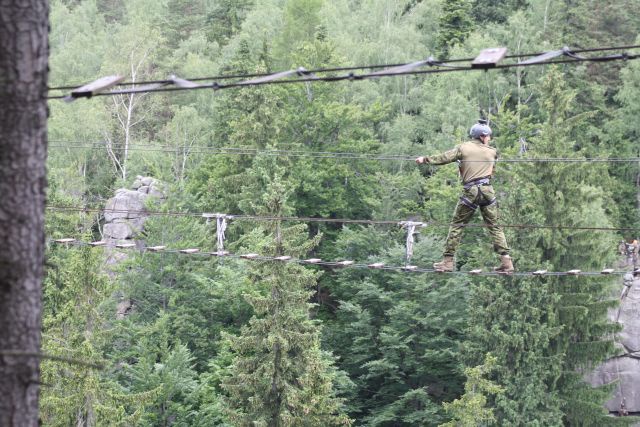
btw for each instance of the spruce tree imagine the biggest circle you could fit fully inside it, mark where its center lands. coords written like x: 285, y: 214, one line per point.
x: 567, y: 314
x: 456, y: 23
x: 396, y: 334
x: 470, y: 410
x: 512, y: 319
x: 547, y: 332
x: 280, y: 376
x: 575, y: 196
x: 81, y: 391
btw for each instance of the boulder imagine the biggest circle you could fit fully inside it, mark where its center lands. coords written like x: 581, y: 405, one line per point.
x: 156, y: 192
x: 117, y: 231
x: 123, y: 308
x: 125, y: 204
x: 125, y: 212
x: 624, y: 367
x: 628, y: 370
x: 137, y: 183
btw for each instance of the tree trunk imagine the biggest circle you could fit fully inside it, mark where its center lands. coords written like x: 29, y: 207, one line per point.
x: 23, y: 125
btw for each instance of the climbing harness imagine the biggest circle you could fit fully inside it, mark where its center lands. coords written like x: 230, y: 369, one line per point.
x: 480, y: 200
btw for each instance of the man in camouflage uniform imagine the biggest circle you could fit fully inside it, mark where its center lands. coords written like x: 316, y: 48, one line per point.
x: 476, y: 161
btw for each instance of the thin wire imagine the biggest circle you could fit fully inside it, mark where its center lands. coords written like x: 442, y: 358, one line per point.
x: 351, y: 264
x: 337, y: 154
x: 351, y: 68
x: 63, y: 208
x: 217, y: 86
x: 247, y: 151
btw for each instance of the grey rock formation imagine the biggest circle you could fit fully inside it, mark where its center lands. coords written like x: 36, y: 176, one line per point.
x: 125, y: 213
x: 123, y: 308
x: 624, y: 368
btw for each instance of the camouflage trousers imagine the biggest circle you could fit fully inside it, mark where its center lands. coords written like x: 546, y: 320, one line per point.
x: 474, y: 197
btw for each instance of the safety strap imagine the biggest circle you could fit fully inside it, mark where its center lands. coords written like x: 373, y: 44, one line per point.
x: 475, y: 206
x: 487, y: 203
x: 468, y: 203
x: 411, y: 231
x: 476, y: 182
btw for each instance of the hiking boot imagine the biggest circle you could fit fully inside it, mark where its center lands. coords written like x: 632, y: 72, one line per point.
x: 506, y: 265
x: 445, y: 265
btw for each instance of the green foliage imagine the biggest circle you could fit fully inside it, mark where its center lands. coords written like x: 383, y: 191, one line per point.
x: 470, y: 410
x: 224, y: 20
x: 513, y: 320
x: 167, y: 373
x: 279, y: 375
x: 492, y: 12
x: 455, y: 25
x: 395, y: 335
x: 301, y: 23
x: 76, y: 327
x: 187, y: 353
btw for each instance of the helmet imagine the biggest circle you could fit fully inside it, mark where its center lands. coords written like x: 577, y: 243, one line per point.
x: 480, y: 129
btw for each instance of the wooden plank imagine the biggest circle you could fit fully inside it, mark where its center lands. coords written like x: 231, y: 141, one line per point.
x: 312, y: 260
x: 250, y: 256
x: 189, y: 251
x: 539, y: 272
x: 283, y: 258
x: 98, y: 243
x: 125, y: 245
x: 156, y: 248
x: 476, y: 271
x: 65, y: 240
x: 376, y: 265
x: 489, y: 58
x: 573, y: 272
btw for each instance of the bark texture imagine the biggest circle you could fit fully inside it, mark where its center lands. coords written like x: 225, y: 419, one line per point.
x: 23, y: 125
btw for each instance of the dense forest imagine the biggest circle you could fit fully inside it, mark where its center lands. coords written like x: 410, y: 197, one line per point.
x: 224, y: 341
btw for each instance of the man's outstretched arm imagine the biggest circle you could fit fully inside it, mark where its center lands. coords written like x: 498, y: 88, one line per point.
x: 441, y: 159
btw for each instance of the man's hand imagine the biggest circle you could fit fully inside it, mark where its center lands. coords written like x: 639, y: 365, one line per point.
x: 421, y: 160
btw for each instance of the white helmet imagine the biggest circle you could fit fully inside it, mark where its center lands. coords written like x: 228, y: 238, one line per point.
x: 480, y: 129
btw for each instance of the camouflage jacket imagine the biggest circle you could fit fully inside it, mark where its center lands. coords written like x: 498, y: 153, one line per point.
x: 476, y: 159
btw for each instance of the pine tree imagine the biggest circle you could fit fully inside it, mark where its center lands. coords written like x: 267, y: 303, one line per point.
x: 470, y: 410
x: 546, y: 333
x: 164, y: 371
x: 577, y: 195
x: 225, y: 19
x: 493, y: 12
x: 456, y: 23
x: 79, y: 393
x: 396, y: 335
x: 623, y: 134
x: 280, y: 376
